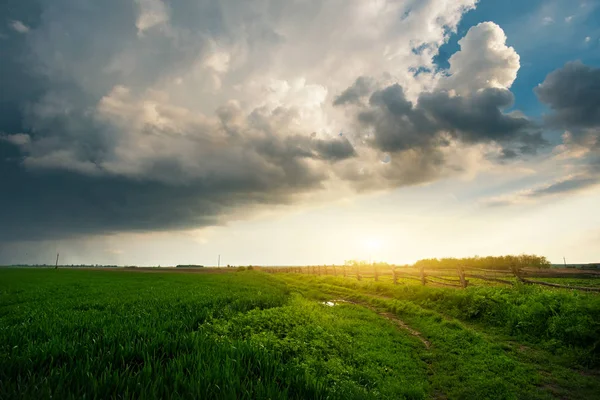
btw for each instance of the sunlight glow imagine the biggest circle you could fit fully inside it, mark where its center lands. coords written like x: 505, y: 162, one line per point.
x: 372, y: 243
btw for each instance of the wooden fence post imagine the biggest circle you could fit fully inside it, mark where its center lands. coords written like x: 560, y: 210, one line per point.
x: 395, y: 277
x: 423, y: 280
x: 461, y: 275
x: 517, y: 272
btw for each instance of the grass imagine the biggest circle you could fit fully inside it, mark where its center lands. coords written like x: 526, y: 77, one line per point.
x: 590, y: 282
x: 70, y: 334
x: 248, y: 335
x: 490, y: 342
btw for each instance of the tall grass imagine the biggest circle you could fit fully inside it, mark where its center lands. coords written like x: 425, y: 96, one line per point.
x: 91, y: 334
x: 564, y: 321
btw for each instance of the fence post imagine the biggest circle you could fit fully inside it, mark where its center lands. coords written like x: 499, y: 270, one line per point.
x: 423, y: 280
x: 395, y: 277
x: 517, y: 272
x: 375, y: 272
x: 461, y: 275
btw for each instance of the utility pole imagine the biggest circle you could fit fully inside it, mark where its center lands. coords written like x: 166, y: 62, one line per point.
x: 56, y: 266
x: 565, y: 261
x: 219, y: 263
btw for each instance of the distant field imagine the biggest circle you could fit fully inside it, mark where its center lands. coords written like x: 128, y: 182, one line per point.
x: 250, y: 335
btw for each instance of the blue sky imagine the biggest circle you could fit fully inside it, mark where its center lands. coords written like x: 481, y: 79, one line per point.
x: 542, y: 36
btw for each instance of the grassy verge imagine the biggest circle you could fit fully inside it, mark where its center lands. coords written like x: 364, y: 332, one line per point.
x: 523, y: 342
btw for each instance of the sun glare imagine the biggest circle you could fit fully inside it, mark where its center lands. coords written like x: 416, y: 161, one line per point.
x: 372, y: 243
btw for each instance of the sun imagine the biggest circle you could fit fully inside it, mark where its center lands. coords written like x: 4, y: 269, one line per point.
x: 372, y: 243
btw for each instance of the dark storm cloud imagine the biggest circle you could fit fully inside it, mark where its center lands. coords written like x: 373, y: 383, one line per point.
x: 509, y: 154
x: 478, y: 118
x: 362, y: 87
x: 335, y: 150
x: 41, y: 204
x: 67, y: 168
x: 293, y: 147
x: 79, y: 156
x: 573, y: 94
x: 44, y: 201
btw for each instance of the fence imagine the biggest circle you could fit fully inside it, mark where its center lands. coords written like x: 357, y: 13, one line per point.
x: 448, y: 277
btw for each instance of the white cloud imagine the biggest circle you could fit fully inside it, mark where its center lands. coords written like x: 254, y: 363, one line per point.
x: 151, y: 13
x: 20, y: 27
x: 588, y: 39
x: 548, y: 20
x: 18, y: 139
x: 218, y: 61
x: 483, y: 61
x: 569, y: 18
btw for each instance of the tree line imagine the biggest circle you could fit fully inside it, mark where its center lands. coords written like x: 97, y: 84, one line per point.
x: 489, y: 262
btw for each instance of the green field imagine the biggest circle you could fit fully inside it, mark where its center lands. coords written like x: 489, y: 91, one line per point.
x: 251, y: 335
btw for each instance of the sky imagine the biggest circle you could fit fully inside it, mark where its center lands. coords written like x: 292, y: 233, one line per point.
x: 298, y: 132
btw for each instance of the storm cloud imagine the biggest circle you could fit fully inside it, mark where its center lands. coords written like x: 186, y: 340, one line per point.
x: 438, y: 116
x: 573, y: 94
x: 149, y: 115
x: 362, y: 87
